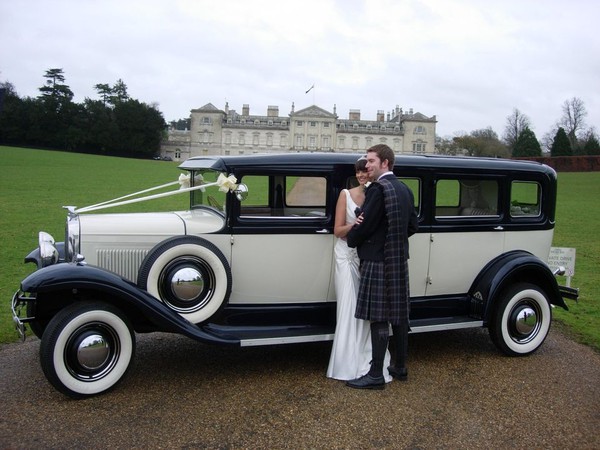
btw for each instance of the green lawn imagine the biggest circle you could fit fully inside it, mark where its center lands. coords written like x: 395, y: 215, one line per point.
x: 35, y: 184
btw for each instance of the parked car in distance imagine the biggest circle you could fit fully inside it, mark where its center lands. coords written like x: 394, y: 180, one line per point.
x: 251, y: 261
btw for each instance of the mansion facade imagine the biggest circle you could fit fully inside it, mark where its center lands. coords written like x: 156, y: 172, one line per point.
x: 313, y: 129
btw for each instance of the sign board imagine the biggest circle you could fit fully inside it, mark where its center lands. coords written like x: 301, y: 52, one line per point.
x: 565, y: 257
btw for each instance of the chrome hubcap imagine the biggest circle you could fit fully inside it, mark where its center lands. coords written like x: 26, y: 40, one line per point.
x: 524, y: 322
x: 93, y: 351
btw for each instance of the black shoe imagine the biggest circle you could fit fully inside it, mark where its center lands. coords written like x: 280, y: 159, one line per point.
x: 399, y: 374
x: 367, y: 382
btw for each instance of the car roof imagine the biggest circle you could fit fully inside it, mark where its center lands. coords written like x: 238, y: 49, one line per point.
x: 226, y: 163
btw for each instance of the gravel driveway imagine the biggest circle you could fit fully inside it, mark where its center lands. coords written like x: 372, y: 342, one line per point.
x: 461, y: 393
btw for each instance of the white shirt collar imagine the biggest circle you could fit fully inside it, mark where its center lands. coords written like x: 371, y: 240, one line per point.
x: 384, y: 174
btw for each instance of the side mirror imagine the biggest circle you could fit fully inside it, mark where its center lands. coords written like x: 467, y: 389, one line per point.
x: 241, y: 192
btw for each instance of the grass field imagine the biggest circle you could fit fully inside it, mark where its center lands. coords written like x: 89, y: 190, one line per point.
x: 35, y: 184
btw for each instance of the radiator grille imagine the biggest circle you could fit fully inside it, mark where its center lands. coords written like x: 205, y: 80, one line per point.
x: 125, y: 262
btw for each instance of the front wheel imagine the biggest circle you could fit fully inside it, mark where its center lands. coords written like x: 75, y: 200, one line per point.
x: 86, y: 349
x: 521, y: 320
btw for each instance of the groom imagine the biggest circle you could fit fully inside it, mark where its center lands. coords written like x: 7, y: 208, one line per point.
x: 381, y: 236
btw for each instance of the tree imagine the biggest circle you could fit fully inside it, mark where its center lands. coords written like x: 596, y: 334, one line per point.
x: 482, y: 142
x: 55, y: 90
x: 105, y: 92
x: 591, y: 146
x: 527, y: 144
x: 446, y: 146
x: 561, y: 146
x: 119, y: 93
x: 573, y: 119
x: 515, y: 124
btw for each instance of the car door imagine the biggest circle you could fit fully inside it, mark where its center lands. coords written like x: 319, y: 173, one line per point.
x: 282, y: 240
x: 466, y: 233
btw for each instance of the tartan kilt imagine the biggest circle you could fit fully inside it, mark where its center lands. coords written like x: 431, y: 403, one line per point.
x: 372, y: 302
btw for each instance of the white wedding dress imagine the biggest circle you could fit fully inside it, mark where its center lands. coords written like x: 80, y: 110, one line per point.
x: 351, y: 350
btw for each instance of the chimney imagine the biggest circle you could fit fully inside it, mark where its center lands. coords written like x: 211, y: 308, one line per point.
x: 246, y: 110
x: 354, y: 114
x: 380, y: 115
x: 272, y: 111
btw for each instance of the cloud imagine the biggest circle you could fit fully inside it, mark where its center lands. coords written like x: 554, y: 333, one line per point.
x: 467, y: 63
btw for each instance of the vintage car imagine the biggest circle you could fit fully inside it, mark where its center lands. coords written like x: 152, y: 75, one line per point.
x: 252, y: 263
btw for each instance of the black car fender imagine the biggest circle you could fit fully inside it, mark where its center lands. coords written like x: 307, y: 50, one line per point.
x: 508, y: 268
x: 73, y: 279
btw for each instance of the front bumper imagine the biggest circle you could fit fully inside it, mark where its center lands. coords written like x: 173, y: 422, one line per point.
x: 19, y: 312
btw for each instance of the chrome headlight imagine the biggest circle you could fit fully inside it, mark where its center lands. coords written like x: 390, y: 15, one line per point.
x: 72, y: 240
x: 48, y: 251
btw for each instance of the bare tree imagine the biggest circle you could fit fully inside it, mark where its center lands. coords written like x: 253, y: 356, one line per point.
x: 515, y: 124
x: 573, y: 119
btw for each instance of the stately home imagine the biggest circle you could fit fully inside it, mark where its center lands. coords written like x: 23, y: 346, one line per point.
x: 227, y: 132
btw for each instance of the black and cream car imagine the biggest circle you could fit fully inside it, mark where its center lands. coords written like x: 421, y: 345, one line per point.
x: 251, y: 262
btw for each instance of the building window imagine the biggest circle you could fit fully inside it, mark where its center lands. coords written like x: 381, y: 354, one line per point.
x: 242, y: 139
x: 283, y: 123
x: 313, y: 124
x: 355, y: 126
x: 420, y: 129
x: 354, y: 143
x: 418, y: 147
x: 282, y: 140
x: 369, y: 142
x: 326, y: 124
x: 269, y: 139
x: 397, y: 147
x: 326, y: 144
x: 206, y: 120
x: 312, y: 142
x: 341, y: 142
x: 299, y: 140
x: 256, y: 122
x: 299, y: 123
x: 228, y: 138
x: 177, y: 153
x: 270, y: 123
x: 255, y: 139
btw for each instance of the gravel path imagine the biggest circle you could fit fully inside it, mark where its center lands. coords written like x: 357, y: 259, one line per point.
x: 180, y: 394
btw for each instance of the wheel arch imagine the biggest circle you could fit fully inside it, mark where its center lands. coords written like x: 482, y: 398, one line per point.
x: 63, y: 284
x: 509, y: 268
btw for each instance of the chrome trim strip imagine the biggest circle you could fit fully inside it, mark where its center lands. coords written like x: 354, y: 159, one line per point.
x: 447, y: 326
x: 329, y: 337
x: 286, y: 340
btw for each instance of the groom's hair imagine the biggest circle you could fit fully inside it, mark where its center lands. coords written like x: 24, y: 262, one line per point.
x: 383, y: 152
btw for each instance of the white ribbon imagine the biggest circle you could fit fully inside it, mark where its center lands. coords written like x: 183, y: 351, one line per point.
x: 225, y: 184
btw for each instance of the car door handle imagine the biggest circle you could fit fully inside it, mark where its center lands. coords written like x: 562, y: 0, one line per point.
x: 323, y: 231
x: 499, y: 228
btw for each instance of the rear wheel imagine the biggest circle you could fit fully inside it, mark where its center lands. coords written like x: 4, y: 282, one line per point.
x: 521, y: 319
x: 86, y: 349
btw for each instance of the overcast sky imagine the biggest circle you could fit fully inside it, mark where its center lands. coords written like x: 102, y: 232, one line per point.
x: 469, y: 63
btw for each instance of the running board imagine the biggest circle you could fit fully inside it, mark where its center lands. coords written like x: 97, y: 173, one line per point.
x: 329, y: 337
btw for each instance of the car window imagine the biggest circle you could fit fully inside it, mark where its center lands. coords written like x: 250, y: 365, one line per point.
x: 463, y: 197
x: 209, y: 197
x: 284, y: 196
x: 525, y: 198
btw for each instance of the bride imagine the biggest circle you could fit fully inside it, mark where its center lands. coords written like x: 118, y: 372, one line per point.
x: 351, y: 352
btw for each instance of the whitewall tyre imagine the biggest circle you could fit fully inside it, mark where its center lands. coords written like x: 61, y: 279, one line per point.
x: 87, y: 348
x: 521, y: 319
x: 190, y: 275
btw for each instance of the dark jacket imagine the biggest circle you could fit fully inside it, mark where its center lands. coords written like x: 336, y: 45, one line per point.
x: 369, y: 237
